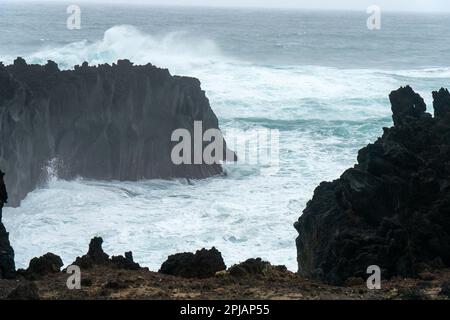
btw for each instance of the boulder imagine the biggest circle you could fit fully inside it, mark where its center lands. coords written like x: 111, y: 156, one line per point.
x: 126, y: 262
x: 203, y: 264
x: 47, y: 264
x: 255, y: 267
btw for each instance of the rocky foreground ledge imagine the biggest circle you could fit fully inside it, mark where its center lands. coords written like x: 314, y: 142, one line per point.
x: 392, y: 209
x: 202, y: 275
x: 103, y: 122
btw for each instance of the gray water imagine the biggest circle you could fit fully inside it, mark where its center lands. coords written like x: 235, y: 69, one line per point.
x: 321, y: 78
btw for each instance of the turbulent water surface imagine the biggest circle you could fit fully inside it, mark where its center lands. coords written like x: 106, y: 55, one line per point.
x: 320, y: 78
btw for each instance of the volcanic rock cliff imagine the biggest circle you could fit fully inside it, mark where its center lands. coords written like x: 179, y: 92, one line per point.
x: 105, y: 122
x: 7, y: 265
x: 393, y: 208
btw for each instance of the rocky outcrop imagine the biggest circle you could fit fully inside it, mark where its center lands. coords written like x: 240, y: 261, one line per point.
x: 104, y: 122
x: 203, y: 264
x: 255, y: 267
x: 125, y: 262
x: 97, y: 257
x: 249, y: 267
x: 393, y: 208
x: 47, y: 264
x: 7, y: 265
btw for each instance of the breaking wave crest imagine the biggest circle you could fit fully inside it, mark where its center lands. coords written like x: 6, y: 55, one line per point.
x: 175, y: 49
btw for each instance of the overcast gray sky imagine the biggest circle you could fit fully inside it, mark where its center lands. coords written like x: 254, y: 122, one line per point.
x: 388, y: 5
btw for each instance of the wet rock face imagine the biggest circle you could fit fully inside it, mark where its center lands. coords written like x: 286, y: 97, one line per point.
x: 392, y: 209
x: 7, y: 265
x: 203, y: 264
x: 105, y: 122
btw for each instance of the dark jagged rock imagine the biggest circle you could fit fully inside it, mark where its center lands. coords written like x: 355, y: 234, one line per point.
x: 105, y: 122
x: 249, y: 267
x: 203, y: 264
x: 445, y: 289
x: 25, y: 291
x: 95, y: 256
x: 126, y: 263
x: 392, y: 209
x: 254, y: 267
x: 7, y: 265
x: 406, y: 105
x: 47, y: 264
x: 96, y: 252
x: 441, y: 103
x: 3, y: 194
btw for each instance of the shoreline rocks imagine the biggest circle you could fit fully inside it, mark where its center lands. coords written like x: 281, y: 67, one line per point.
x: 203, y: 264
x: 47, y: 264
x: 392, y: 208
x: 125, y: 262
x: 251, y: 279
x: 97, y: 257
x: 255, y: 267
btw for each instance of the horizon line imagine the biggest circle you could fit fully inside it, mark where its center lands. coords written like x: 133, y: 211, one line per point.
x: 218, y: 6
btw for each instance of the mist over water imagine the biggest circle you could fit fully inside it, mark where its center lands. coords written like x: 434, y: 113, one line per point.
x: 321, y: 79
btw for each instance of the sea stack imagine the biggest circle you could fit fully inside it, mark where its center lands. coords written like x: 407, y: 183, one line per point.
x: 103, y: 122
x: 392, y: 209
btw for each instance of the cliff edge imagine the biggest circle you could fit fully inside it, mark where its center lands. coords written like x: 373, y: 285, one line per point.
x: 105, y: 122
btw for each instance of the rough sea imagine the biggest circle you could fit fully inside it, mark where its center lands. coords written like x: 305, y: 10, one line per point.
x: 322, y: 79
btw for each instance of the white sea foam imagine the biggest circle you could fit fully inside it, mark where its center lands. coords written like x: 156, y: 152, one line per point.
x: 324, y: 116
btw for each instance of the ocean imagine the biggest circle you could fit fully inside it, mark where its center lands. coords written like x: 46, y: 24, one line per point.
x: 322, y: 79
